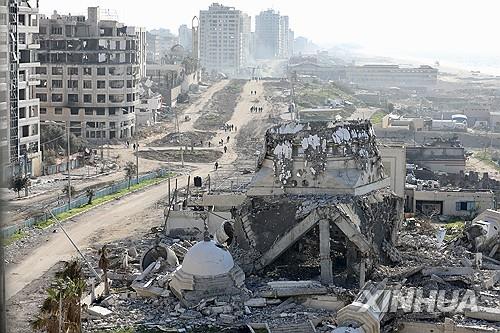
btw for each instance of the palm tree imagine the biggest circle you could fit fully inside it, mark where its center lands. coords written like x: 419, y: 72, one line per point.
x: 129, y: 172
x: 62, y: 307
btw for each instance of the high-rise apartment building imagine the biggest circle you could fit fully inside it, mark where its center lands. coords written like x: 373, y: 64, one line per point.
x: 4, y: 81
x: 186, y: 37
x: 89, y: 74
x: 224, y: 39
x: 272, y: 35
x: 246, y: 36
x: 19, y: 117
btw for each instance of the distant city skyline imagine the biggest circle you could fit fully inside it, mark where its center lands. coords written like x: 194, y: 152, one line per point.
x: 386, y: 27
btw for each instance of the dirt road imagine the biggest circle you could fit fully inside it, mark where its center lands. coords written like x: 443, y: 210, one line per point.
x: 119, y: 219
x: 19, y: 210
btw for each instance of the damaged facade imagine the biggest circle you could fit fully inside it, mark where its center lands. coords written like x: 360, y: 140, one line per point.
x: 91, y: 67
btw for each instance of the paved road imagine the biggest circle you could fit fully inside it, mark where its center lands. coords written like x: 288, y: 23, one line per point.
x: 119, y: 219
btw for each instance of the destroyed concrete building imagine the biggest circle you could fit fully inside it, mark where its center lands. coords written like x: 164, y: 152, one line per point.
x: 318, y: 208
x: 323, y: 180
x: 150, y: 106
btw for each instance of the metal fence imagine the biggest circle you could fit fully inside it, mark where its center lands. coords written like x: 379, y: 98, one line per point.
x: 80, y: 201
x: 57, y: 168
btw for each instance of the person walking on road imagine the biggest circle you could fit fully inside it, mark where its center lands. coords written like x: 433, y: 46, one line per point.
x: 225, y: 149
x: 216, y: 166
x: 227, y: 139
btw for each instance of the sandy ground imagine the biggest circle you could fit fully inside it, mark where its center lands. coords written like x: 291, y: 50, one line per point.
x: 473, y: 164
x: 364, y: 113
x: 123, y: 217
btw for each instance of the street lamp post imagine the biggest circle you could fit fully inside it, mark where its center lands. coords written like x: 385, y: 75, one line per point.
x: 68, y: 154
x: 137, y: 161
x: 68, y: 166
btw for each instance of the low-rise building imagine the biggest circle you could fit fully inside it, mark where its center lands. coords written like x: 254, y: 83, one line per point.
x: 173, y: 79
x: 387, y: 76
x: 392, y: 120
x: 440, y: 155
x: 449, y: 202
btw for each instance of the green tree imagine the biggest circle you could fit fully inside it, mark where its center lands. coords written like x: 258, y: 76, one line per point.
x: 129, y: 172
x: 53, y: 139
x: 63, y: 303
x: 19, y: 183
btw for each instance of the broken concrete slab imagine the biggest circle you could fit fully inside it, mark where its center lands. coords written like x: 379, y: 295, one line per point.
x: 227, y: 319
x: 150, y: 291
x: 483, y: 313
x: 293, y: 288
x: 429, y: 327
x: 99, y: 311
x: 97, y: 292
x: 490, y: 282
x: 447, y: 271
x: 322, y: 302
x: 256, y: 302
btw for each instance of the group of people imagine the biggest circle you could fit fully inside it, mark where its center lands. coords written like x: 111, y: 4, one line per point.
x: 256, y: 109
x: 253, y: 92
x: 229, y: 127
x: 133, y: 146
x: 221, y: 141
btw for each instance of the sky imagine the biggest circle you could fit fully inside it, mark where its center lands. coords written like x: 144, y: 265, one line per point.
x: 421, y: 28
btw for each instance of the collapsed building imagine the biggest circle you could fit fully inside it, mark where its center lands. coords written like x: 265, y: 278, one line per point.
x: 315, y: 243
x: 323, y: 180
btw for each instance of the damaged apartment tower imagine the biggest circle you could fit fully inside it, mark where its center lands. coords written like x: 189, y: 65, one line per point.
x: 90, y: 73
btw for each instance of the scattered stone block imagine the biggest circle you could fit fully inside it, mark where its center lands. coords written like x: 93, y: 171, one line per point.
x: 482, y: 313
x: 99, y: 311
x: 227, y: 319
x: 256, y: 302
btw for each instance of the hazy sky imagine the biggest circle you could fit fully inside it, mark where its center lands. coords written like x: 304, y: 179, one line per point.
x: 391, y: 27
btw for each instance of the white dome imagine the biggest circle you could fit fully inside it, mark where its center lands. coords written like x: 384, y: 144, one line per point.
x: 205, y: 258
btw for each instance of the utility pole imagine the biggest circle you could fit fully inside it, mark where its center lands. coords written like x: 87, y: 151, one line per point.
x: 137, y: 161
x: 101, y: 132
x: 68, y: 166
x: 26, y: 189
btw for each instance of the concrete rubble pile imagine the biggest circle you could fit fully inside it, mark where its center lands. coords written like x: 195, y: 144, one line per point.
x: 145, y: 293
x: 318, y: 244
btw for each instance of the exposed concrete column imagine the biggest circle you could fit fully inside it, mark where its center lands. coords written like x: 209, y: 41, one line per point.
x: 324, y: 252
x: 362, y: 273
